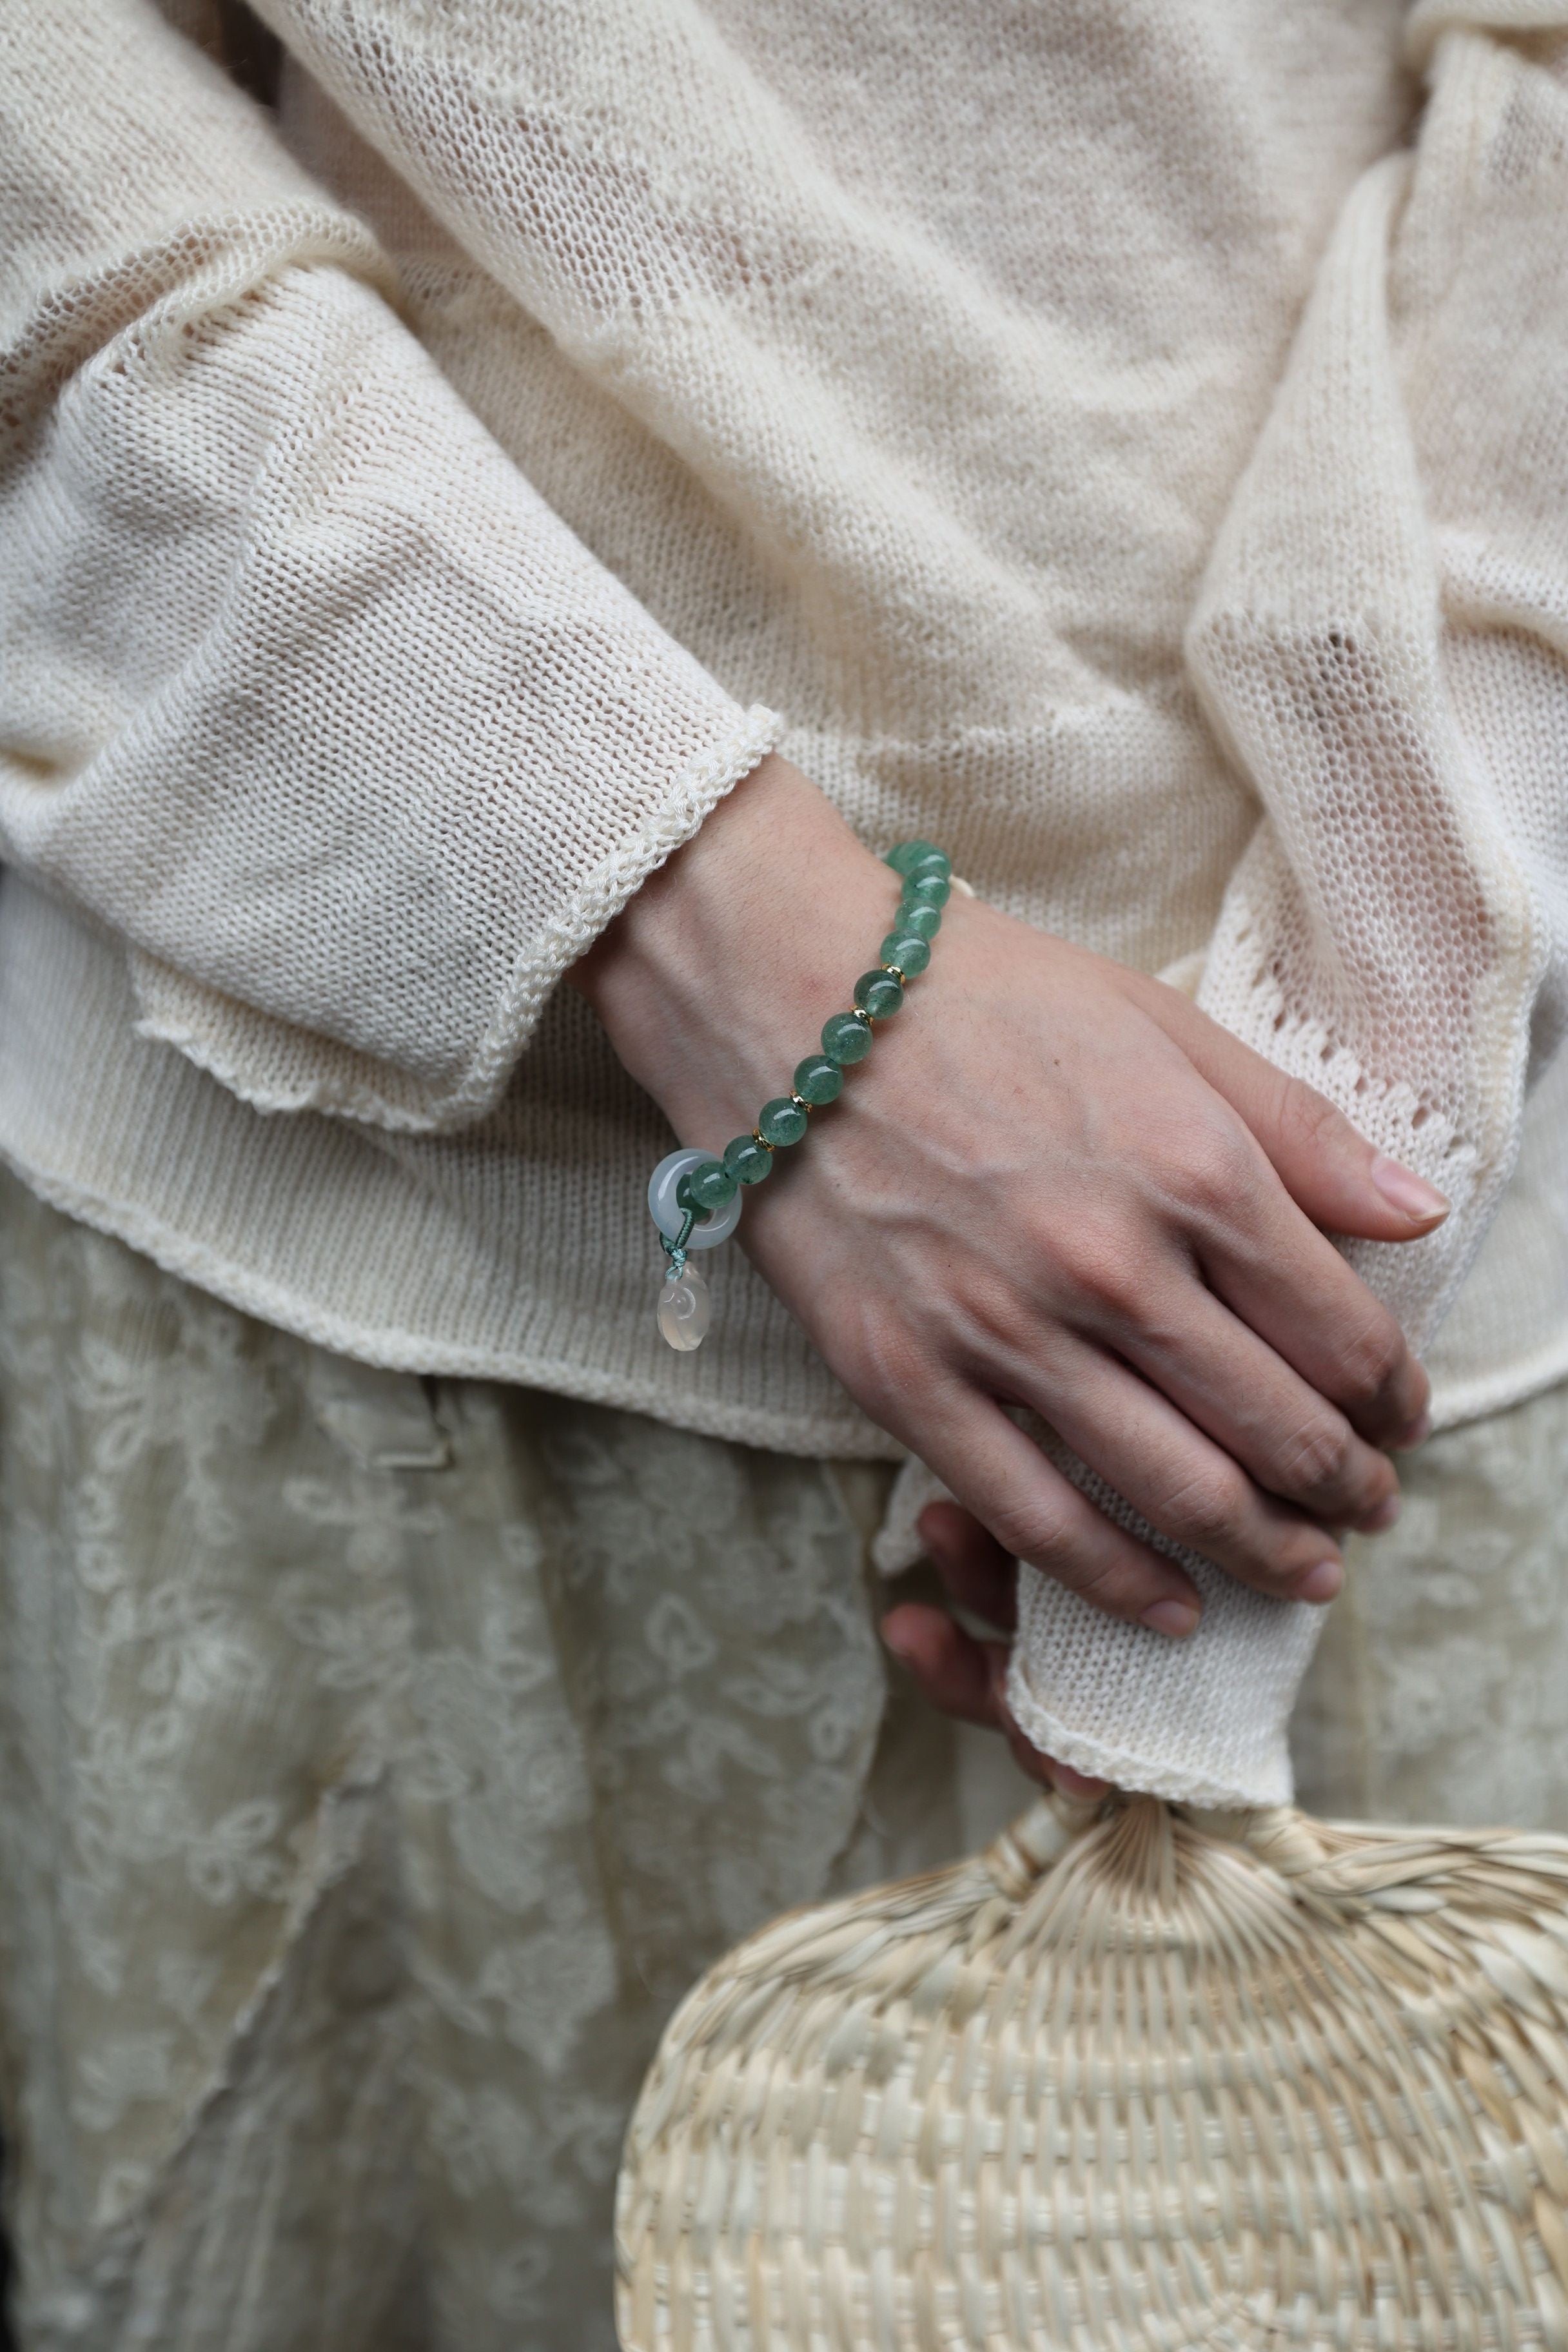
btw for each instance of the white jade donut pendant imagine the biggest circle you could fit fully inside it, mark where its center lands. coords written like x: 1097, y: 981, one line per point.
x: 668, y: 1216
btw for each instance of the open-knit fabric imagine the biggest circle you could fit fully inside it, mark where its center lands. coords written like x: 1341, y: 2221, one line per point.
x: 1110, y: 448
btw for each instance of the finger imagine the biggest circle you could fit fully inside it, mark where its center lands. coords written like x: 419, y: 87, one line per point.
x: 1187, y: 1488
x: 1333, y: 1172
x: 967, y: 1679
x: 1292, y: 1287
x: 978, y: 1574
x: 1270, y: 1263
x: 1232, y: 1385
x: 1037, y: 1515
x: 949, y: 1665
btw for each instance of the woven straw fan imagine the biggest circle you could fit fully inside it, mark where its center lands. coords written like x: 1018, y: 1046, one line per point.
x: 1162, y: 2071
x: 1135, y: 2077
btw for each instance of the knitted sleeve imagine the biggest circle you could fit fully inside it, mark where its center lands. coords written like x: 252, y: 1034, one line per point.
x: 1382, y: 644
x: 303, y: 692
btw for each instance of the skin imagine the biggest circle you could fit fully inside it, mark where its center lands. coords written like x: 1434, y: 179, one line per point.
x: 1054, y: 1182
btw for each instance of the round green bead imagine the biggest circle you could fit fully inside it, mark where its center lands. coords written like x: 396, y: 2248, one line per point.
x: 845, y: 1039
x: 818, y: 1079
x: 935, y: 863
x: 926, y: 890
x: 922, y: 919
x: 908, y: 950
x: 781, y: 1122
x: 710, y: 1185
x: 907, y: 857
x: 878, y: 994
x: 748, y: 1160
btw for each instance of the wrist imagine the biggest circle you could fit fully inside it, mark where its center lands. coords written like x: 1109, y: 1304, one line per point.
x: 722, y: 966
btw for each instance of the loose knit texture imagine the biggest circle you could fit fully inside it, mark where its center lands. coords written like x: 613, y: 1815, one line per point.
x: 1103, y: 455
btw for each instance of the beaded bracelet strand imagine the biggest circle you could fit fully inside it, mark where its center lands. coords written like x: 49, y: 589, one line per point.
x: 695, y: 1196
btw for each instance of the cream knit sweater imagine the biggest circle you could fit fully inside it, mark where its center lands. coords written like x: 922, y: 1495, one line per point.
x: 1110, y: 446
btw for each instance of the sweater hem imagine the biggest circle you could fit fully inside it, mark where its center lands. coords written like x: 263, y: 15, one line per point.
x: 390, y: 1350
x: 393, y: 1350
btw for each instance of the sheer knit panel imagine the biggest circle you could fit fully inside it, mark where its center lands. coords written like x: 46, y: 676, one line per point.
x: 1381, y: 643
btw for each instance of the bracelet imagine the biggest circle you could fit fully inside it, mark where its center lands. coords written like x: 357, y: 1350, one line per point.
x: 694, y: 1197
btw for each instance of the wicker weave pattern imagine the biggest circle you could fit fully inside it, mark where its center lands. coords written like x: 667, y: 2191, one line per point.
x: 1134, y: 2078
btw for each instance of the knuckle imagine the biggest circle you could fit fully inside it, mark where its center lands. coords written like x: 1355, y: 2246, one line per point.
x: 1104, y: 1269
x: 1307, y: 1120
x: 1316, y: 1460
x: 1215, y: 1172
x: 1034, y: 1528
x: 1102, y: 1582
x: 1368, y: 1360
x: 1207, y: 1507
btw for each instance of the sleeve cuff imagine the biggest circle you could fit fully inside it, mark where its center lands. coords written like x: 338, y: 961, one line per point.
x: 275, y: 1065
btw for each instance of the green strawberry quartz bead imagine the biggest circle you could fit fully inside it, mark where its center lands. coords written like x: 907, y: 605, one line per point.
x: 710, y: 1186
x: 919, y: 857
x: 921, y: 917
x: 907, y: 951
x: 818, y: 1080
x: 781, y: 1122
x: 925, y: 889
x: 878, y: 993
x: 748, y: 1160
x: 845, y: 1039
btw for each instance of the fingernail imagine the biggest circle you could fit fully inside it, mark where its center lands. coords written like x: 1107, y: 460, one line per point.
x: 1321, y: 1583
x: 1176, y: 1619
x: 933, y: 1535
x: 1419, y: 1431
x: 1384, y: 1516
x: 1075, y: 1784
x: 891, y: 1642
x: 1420, y: 1202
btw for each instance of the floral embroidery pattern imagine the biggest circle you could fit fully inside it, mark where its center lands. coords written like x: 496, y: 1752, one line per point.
x: 383, y: 1759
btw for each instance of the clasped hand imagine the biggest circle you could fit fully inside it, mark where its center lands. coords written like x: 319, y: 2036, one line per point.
x: 1053, y: 1183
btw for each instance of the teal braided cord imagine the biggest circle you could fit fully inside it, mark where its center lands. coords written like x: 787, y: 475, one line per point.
x: 676, y: 1249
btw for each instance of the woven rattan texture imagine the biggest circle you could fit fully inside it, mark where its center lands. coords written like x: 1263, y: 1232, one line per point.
x: 1134, y: 2078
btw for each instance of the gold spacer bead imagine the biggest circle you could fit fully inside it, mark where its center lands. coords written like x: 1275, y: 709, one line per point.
x: 801, y: 1101
x: 897, y: 975
x: 758, y: 1136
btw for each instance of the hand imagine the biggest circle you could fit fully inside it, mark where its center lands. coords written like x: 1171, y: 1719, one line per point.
x: 1053, y: 1183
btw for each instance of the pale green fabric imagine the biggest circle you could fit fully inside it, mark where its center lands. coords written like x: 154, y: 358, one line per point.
x: 1439, y: 1692
x: 383, y: 1759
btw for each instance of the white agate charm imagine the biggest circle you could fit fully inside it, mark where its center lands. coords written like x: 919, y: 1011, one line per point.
x: 685, y: 1308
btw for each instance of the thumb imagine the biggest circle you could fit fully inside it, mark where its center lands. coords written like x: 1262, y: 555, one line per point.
x: 1342, y: 1181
